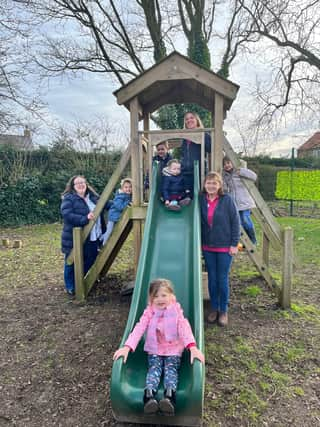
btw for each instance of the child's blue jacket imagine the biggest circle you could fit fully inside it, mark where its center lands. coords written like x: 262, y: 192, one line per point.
x: 119, y: 203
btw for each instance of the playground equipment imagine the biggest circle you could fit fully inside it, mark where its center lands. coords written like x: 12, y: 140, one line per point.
x: 167, y: 249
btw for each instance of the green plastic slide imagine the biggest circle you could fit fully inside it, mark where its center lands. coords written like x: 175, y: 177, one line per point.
x: 170, y: 249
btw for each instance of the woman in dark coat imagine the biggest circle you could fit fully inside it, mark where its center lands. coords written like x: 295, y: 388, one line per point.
x: 191, y: 152
x: 78, y: 202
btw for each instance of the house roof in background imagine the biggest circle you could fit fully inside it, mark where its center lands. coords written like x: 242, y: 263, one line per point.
x: 311, y: 143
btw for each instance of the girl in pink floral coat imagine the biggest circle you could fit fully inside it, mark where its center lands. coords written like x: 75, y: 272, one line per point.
x: 168, y: 333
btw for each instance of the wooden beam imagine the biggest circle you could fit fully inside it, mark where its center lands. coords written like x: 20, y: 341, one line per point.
x: 262, y: 213
x: 176, y: 67
x: 195, y: 135
x: 78, y: 264
x: 138, y: 212
x: 146, y: 154
x: 265, y: 248
x: 137, y: 242
x: 109, y: 252
x: 218, y: 132
x: 287, y: 268
x: 136, y: 169
x: 258, y: 262
x: 135, y: 151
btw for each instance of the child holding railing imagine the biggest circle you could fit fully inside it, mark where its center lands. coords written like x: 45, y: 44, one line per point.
x: 168, y: 333
x: 122, y: 199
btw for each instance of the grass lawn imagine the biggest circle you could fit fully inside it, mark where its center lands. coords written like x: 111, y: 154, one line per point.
x: 262, y: 370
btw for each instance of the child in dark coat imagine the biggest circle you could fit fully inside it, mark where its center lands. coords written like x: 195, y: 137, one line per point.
x: 162, y: 156
x: 174, y: 192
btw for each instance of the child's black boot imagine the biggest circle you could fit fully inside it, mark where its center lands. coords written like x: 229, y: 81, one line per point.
x: 150, y: 403
x: 167, y: 404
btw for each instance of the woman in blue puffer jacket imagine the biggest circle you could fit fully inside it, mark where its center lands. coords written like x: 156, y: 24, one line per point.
x: 78, y: 202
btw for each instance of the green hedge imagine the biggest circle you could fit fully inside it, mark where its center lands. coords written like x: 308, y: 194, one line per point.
x: 31, y: 183
x: 298, y: 185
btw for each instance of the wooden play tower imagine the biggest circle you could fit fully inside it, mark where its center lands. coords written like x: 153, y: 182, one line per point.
x: 177, y: 80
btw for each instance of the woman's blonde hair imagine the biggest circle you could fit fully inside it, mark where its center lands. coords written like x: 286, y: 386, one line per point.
x: 158, y: 284
x: 70, y: 186
x: 217, y: 177
x: 196, y: 116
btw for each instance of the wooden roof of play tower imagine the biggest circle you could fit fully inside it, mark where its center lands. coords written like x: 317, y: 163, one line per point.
x: 176, y: 80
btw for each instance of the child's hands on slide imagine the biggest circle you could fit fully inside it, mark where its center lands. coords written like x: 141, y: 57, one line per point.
x: 122, y: 352
x: 195, y: 353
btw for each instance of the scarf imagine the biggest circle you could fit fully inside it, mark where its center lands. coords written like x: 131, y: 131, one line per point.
x: 170, y: 326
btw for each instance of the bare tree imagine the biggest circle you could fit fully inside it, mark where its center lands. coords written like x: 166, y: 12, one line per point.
x: 16, y: 98
x: 293, y: 52
x: 96, y: 135
x: 123, y: 38
x: 108, y: 37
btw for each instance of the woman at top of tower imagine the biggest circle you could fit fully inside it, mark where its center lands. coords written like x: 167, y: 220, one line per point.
x: 190, y: 151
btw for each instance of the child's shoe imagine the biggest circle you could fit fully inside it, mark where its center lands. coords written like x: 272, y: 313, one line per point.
x: 173, y: 206
x: 150, y: 403
x: 167, y: 404
x: 185, y: 202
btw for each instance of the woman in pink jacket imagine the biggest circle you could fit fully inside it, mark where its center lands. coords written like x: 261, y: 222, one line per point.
x: 168, y: 333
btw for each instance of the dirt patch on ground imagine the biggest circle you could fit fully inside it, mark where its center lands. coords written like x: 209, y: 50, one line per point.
x: 56, y: 354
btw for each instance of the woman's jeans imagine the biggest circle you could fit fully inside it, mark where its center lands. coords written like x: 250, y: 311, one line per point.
x: 90, y: 252
x: 247, y: 224
x: 218, y: 267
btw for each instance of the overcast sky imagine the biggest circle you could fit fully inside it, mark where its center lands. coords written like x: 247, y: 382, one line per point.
x: 83, y: 98
x: 89, y: 96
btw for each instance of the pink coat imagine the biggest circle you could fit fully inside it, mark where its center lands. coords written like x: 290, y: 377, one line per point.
x: 179, y: 327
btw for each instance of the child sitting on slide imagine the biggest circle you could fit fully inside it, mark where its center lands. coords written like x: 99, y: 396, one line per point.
x: 174, y: 192
x: 168, y: 332
x: 120, y: 202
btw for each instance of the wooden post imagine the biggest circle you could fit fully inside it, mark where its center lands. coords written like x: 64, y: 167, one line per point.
x: 202, y: 160
x: 6, y: 243
x: 211, y: 156
x: 287, y: 267
x: 135, y: 173
x: 17, y: 244
x: 78, y: 263
x: 147, y: 168
x: 218, y: 133
x: 265, y: 248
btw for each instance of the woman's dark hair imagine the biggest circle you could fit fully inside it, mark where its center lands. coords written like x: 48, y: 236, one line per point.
x: 226, y: 159
x: 70, y: 186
